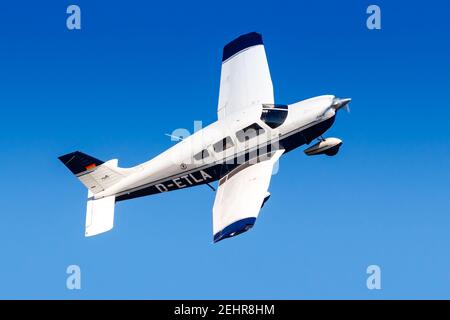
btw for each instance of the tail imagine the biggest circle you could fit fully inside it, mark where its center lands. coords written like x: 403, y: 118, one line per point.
x: 96, y: 176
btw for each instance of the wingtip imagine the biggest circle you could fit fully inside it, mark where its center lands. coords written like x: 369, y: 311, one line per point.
x: 241, y: 43
x: 235, y: 229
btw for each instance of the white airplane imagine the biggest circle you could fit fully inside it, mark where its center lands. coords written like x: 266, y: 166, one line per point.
x: 239, y: 150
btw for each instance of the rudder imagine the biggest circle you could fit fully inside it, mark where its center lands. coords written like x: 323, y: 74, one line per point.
x: 95, y: 174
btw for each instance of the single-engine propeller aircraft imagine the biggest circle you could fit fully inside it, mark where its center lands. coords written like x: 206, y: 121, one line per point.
x: 239, y: 150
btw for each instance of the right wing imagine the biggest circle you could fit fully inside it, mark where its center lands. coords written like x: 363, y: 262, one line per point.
x: 240, y: 196
x: 245, y: 79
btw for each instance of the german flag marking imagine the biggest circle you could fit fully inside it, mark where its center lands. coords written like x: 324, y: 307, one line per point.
x: 91, y: 166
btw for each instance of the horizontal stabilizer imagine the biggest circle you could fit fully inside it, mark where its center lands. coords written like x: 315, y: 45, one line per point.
x: 99, y: 215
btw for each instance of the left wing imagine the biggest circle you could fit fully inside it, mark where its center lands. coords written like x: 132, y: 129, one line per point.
x: 240, y: 196
x: 245, y: 78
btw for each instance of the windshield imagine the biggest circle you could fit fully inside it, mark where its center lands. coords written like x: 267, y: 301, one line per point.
x: 274, y: 115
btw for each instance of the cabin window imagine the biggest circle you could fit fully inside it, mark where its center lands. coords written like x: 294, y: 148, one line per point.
x: 249, y: 132
x: 223, y: 144
x: 274, y: 115
x: 201, y: 155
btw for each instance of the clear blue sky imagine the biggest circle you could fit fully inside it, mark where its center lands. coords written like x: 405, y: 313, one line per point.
x: 138, y: 70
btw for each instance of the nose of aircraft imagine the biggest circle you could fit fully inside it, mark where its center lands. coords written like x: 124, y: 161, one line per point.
x: 339, y: 103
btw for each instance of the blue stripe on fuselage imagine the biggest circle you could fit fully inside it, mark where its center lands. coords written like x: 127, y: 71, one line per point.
x: 218, y: 170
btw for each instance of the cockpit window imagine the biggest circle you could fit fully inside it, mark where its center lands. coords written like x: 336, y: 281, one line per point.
x: 249, y: 132
x: 274, y: 115
x: 223, y: 144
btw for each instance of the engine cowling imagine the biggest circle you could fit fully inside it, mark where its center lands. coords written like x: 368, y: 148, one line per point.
x: 328, y: 146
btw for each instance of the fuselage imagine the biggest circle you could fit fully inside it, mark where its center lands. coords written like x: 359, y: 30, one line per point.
x: 212, y: 152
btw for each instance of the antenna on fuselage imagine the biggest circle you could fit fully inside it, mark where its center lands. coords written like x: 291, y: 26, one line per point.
x: 174, y: 138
